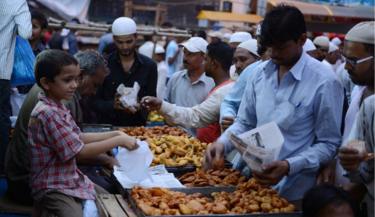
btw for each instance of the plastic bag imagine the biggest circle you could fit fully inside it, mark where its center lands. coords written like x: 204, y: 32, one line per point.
x: 23, y: 68
x: 129, y: 96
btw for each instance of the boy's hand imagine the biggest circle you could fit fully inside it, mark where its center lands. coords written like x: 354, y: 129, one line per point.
x: 128, y: 142
x: 151, y: 103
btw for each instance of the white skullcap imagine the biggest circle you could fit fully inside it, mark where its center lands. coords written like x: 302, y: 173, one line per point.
x: 250, y: 45
x: 227, y: 36
x: 322, y: 41
x: 336, y: 41
x: 195, y: 44
x: 215, y: 34
x: 362, y: 32
x: 159, y: 49
x: 309, y: 45
x: 240, y: 37
x: 332, y: 47
x: 258, y: 30
x: 146, y: 49
x: 124, y: 26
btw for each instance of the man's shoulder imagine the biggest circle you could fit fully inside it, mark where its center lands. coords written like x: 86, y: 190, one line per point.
x: 318, y: 71
x: 177, y: 75
x: 146, y: 60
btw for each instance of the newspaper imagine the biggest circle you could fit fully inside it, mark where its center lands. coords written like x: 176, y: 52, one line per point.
x: 259, y: 146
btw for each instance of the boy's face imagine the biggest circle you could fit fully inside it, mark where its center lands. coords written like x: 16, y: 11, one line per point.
x: 37, y: 30
x: 64, y: 84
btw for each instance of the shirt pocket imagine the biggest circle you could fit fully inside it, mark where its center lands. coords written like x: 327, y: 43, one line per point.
x: 287, y: 114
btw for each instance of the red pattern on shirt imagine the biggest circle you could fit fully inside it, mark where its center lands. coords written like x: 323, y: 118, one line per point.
x: 54, y: 141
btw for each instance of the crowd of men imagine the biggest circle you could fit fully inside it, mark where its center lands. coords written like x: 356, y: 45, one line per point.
x: 319, y: 91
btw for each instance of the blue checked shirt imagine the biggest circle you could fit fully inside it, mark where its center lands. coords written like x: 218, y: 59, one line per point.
x: 307, y: 106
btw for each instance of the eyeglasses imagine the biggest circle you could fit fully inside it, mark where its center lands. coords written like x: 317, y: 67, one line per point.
x: 356, y: 62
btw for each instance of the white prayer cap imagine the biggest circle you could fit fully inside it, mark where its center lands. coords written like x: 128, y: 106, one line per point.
x: 227, y: 36
x: 159, y: 49
x: 258, y: 30
x: 332, y: 47
x: 322, y: 41
x: 195, y: 44
x: 250, y: 45
x: 309, y: 45
x: 240, y: 37
x: 123, y: 26
x: 215, y: 34
x: 362, y: 32
x: 336, y: 41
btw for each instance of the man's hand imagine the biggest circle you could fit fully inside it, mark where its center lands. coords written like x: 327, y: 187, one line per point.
x: 151, y: 103
x: 214, y: 156
x: 272, y: 173
x: 350, y: 158
x: 226, y: 122
x: 118, y: 106
x: 327, y: 174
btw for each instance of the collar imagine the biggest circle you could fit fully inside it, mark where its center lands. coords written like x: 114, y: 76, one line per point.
x: 48, y: 101
x: 202, y: 78
x: 296, y: 71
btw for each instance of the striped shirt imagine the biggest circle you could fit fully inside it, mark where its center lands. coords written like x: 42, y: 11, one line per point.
x: 15, y: 19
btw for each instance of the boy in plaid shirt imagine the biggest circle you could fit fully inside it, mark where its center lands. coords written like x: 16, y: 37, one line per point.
x: 59, y: 188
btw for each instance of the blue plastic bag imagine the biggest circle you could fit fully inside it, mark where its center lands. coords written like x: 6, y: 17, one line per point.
x: 23, y: 68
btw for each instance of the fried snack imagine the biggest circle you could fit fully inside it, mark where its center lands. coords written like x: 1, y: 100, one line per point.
x: 176, y: 151
x: 250, y: 197
x: 151, y: 132
x: 200, y: 178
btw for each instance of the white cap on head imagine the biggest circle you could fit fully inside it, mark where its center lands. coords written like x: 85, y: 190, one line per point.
x: 215, y: 34
x: 250, y: 45
x: 336, y: 41
x: 227, y: 36
x: 159, y: 49
x: 332, y: 47
x: 362, y: 32
x: 259, y: 29
x: 123, y: 26
x: 240, y: 37
x: 322, y: 41
x: 195, y: 44
x: 309, y: 45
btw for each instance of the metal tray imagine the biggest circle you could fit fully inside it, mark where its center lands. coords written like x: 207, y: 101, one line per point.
x: 206, y: 191
x: 179, y: 171
x: 96, y: 128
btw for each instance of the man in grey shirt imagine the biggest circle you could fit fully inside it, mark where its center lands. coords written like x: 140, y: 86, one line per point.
x: 191, y: 86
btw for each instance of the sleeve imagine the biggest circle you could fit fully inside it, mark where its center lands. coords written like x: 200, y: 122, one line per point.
x: 245, y: 121
x: 23, y: 21
x: 195, y: 117
x: 364, y: 129
x: 327, y: 109
x: 61, y: 137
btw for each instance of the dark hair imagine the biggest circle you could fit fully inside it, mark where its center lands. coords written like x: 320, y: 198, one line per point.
x: 319, y: 197
x: 222, y: 53
x: 40, y: 18
x: 281, y: 24
x: 49, y: 63
x: 202, y: 34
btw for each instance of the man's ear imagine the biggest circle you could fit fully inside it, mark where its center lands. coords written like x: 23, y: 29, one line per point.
x: 45, y: 83
x: 302, y: 39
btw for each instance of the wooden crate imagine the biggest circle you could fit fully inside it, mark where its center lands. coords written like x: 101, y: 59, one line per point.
x: 113, y: 205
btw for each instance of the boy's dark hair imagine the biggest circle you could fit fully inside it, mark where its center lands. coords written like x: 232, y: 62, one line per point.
x: 281, y: 24
x: 222, y: 53
x: 49, y: 64
x: 319, y: 197
x: 40, y: 18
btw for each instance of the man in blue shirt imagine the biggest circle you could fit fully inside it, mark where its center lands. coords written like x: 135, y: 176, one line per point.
x: 294, y: 91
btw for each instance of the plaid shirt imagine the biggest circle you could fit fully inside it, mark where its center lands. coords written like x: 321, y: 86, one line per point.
x: 54, y: 140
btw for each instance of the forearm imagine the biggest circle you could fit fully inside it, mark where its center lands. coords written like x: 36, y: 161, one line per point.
x: 95, y: 137
x: 93, y: 149
x: 236, y: 128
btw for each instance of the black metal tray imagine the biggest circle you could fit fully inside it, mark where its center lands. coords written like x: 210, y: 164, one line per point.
x: 96, y: 128
x: 179, y: 171
x: 206, y: 191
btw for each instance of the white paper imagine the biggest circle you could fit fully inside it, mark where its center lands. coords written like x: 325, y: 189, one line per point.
x: 135, y: 170
x: 129, y: 95
x: 259, y: 146
x: 135, y: 163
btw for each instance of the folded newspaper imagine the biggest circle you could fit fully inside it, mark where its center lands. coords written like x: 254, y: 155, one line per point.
x: 259, y: 146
